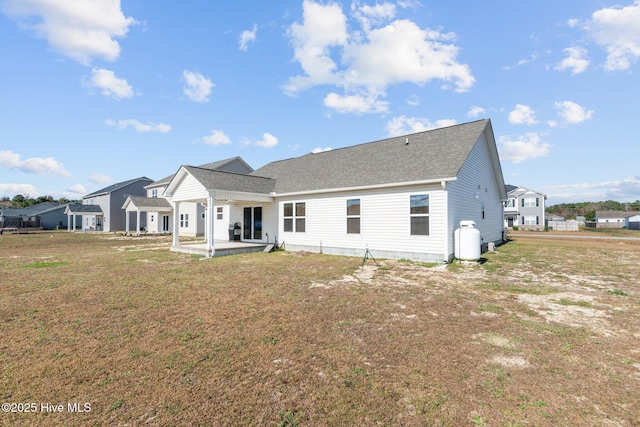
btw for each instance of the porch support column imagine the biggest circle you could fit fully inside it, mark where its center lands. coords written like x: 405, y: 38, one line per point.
x: 210, y: 210
x: 68, y: 222
x: 126, y: 221
x: 74, y: 222
x: 176, y: 223
x: 138, y: 221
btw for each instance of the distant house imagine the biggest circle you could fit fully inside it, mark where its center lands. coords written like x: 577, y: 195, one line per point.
x: 53, y: 217
x: 109, y: 216
x: 611, y: 219
x: 632, y: 222
x: 158, y: 207
x: 397, y: 197
x: 524, y: 208
x: 46, y: 215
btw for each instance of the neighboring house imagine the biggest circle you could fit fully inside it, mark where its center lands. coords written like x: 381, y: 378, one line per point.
x: 581, y: 219
x: 611, y: 219
x: 159, y: 210
x: 53, y: 218
x: 524, y: 208
x: 110, y: 199
x: 398, y: 197
x: 46, y: 215
x: 632, y: 222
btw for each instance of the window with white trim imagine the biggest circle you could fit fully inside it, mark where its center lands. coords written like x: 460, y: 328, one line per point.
x: 219, y: 212
x: 529, y: 202
x: 353, y: 216
x: 184, y: 220
x: 419, y: 214
x: 530, y: 220
x: 294, y: 220
x: 154, y: 193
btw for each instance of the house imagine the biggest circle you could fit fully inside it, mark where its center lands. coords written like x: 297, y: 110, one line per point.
x: 45, y: 215
x: 53, y: 217
x: 632, y: 222
x: 611, y: 219
x: 159, y: 210
x: 109, y: 216
x: 401, y: 197
x: 524, y: 208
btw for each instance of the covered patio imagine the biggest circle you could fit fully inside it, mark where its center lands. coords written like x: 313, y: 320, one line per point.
x: 93, y: 213
x: 148, y: 205
x: 222, y: 248
x: 210, y: 188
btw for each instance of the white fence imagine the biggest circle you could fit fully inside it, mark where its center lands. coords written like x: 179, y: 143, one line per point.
x: 563, y: 225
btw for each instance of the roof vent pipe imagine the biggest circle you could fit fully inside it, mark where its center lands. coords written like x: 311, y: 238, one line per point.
x: 406, y: 141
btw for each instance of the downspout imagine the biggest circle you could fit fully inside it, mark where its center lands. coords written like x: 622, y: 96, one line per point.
x: 443, y: 184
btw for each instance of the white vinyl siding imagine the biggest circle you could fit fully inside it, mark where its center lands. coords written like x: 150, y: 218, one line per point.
x: 476, y: 184
x: 385, y: 225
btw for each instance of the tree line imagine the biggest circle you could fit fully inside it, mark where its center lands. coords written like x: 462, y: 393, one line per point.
x: 23, y: 201
x: 588, y: 209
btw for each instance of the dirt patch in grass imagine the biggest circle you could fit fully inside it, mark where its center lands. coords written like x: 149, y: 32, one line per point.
x: 541, y: 333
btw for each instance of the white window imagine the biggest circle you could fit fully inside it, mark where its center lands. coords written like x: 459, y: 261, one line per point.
x: 184, y: 220
x: 295, y: 220
x: 219, y: 212
x: 154, y: 193
x: 419, y: 214
x: 353, y: 216
x: 530, y: 220
x: 529, y: 202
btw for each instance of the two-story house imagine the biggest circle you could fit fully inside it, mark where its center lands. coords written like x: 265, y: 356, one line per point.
x: 524, y: 208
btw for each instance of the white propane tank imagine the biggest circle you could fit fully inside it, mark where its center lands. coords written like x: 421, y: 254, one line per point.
x: 467, y: 242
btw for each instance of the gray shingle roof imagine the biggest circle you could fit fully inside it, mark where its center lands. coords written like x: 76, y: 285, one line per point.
x: 117, y: 185
x: 613, y: 214
x: 429, y: 155
x: 150, y: 202
x: 77, y: 208
x: 229, y: 181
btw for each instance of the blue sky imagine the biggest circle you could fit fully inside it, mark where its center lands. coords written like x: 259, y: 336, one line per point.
x: 99, y: 91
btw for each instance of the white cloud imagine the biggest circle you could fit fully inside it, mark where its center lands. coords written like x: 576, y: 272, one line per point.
x: 98, y: 178
x: 523, y: 147
x: 110, y: 85
x: 382, y: 53
x: 78, y: 190
x: 198, y: 87
x: 373, y: 15
x: 475, y: 111
x: 413, y: 100
x: 79, y: 29
x: 267, y: 141
x: 577, y: 60
x: 138, y: 126
x: 248, y: 36
x: 522, y: 115
x: 572, y: 113
x: 532, y: 58
x: 617, y: 30
x: 36, y: 165
x: 572, y: 23
x: 217, y: 137
x: 10, y: 189
x: 627, y: 189
x: 320, y: 150
x: 355, y: 104
x: 405, y: 125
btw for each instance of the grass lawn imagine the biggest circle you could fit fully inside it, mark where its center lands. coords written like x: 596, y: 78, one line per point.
x: 107, y: 330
